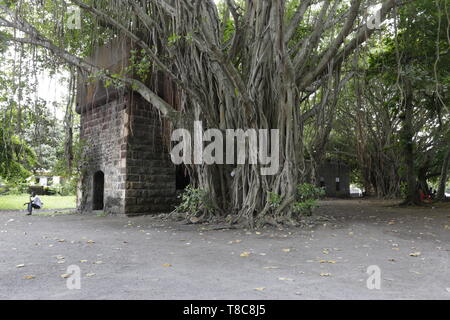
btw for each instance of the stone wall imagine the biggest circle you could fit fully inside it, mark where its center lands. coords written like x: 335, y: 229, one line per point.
x: 123, y: 139
x: 150, y: 174
x: 327, y: 176
x: 122, y: 136
x: 102, y: 135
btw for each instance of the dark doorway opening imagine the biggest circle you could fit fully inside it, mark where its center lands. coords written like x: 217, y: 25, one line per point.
x: 322, y: 182
x: 182, y: 177
x: 99, y: 190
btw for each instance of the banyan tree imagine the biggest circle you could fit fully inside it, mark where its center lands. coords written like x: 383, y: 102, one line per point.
x: 238, y: 64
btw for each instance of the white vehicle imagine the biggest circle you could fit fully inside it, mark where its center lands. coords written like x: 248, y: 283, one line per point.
x: 355, y: 192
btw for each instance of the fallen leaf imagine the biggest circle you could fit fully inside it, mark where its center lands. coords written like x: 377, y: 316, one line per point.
x: 65, y: 275
x: 245, y: 254
x: 260, y: 289
x: 90, y: 241
x: 167, y: 265
x: 271, y: 267
x: 286, y: 250
x: 83, y: 261
x: 20, y: 266
x: 91, y: 274
x: 414, y: 254
x: 61, y: 240
x: 327, y: 261
x: 98, y: 262
x: 285, y: 279
x: 29, y: 277
x: 325, y: 274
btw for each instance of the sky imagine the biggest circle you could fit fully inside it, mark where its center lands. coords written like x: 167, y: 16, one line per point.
x: 53, y: 89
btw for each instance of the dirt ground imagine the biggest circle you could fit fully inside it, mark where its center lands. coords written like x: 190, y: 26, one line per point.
x: 148, y: 258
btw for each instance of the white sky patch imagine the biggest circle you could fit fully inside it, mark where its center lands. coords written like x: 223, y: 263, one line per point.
x: 50, y: 88
x: 54, y: 89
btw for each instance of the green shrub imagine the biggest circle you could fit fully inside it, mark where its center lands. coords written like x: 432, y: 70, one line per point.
x: 17, y: 188
x: 305, y: 208
x: 50, y: 191
x: 307, y: 195
x: 68, y: 188
x: 274, y: 200
x: 308, y: 191
x: 194, y: 201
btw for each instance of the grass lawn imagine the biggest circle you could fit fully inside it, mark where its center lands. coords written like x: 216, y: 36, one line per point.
x: 15, y: 202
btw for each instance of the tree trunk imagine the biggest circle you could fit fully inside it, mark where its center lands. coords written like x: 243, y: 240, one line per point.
x: 443, y: 179
x: 412, y: 195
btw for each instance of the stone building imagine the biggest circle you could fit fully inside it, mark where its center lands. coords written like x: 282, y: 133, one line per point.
x: 127, y: 167
x: 334, y: 176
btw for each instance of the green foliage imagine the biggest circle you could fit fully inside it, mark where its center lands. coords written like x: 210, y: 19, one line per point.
x: 274, y: 200
x: 140, y: 64
x: 308, y: 191
x: 16, y: 157
x: 173, y: 39
x: 308, y: 195
x: 17, y: 188
x: 68, y: 188
x: 305, y: 207
x: 194, y: 201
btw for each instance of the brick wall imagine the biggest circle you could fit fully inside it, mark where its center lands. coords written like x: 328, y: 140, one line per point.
x: 123, y: 139
x: 102, y: 133
x: 150, y: 180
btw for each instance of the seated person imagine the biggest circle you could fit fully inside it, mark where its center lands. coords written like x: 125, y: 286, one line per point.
x: 35, y: 202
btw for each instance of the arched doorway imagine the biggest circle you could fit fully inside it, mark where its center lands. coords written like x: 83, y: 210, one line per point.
x: 98, y: 188
x: 182, y: 179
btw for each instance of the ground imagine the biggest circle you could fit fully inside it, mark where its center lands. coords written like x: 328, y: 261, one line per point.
x: 149, y: 258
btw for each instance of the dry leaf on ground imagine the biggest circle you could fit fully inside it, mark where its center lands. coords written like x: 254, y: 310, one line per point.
x: 415, y: 254
x: 327, y: 261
